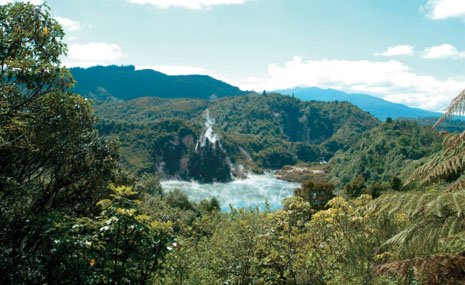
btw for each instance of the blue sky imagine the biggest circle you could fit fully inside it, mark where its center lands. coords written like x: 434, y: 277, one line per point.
x: 406, y: 51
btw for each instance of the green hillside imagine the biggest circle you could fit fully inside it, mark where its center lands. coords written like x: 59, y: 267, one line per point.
x: 255, y: 131
x: 386, y: 152
x: 125, y: 82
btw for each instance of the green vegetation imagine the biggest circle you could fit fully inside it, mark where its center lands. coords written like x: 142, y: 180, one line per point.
x: 125, y: 82
x: 450, y: 125
x: 278, y: 116
x: 256, y: 131
x: 71, y: 214
x: 148, y: 109
x: 383, y: 155
x: 59, y: 220
x: 317, y: 194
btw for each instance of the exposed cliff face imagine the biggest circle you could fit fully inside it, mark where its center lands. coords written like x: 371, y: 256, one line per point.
x: 171, y: 155
x: 209, y: 163
x: 183, y: 154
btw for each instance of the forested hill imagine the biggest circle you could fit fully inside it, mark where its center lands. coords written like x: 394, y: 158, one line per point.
x: 383, y: 155
x: 125, y: 82
x: 256, y: 131
x: 333, y: 124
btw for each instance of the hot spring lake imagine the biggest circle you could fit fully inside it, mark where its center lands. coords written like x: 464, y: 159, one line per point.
x: 254, y: 191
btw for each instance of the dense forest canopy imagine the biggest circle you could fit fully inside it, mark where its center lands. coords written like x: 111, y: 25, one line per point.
x: 72, y: 213
x: 384, y: 154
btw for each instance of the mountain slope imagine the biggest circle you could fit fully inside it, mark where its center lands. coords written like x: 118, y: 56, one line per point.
x: 385, y: 152
x: 125, y: 83
x: 274, y: 115
x: 254, y: 132
x: 375, y: 106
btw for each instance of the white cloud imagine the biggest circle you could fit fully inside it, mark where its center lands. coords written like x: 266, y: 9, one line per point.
x: 90, y: 54
x: 443, y: 9
x: 174, y: 69
x: 35, y: 2
x: 397, y: 50
x: 189, y: 4
x: 68, y: 24
x: 390, y: 80
x: 443, y: 51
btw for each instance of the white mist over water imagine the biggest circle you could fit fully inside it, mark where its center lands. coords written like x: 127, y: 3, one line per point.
x: 254, y: 191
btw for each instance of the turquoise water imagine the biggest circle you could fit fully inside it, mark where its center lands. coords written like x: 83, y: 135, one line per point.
x: 255, y: 191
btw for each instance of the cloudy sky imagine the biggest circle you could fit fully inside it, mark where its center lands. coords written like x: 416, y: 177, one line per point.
x: 411, y: 52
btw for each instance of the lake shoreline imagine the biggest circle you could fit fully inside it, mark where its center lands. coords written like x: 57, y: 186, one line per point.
x: 257, y: 190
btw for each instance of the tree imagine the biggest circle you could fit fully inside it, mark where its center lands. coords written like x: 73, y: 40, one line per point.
x: 356, y: 187
x: 52, y: 161
x: 121, y: 245
x: 179, y: 199
x: 316, y: 193
x: 447, y: 165
x: 30, y: 47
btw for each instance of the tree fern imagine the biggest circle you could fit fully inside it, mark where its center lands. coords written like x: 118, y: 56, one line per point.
x: 433, y: 243
x: 449, y: 164
x: 432, y: 270
x: 456, y: 107
x: 434, y: 217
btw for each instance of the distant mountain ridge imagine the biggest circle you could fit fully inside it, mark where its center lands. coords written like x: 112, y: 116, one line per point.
x: 108, y: 83
x: 125, y: 83
x: 376, y: 106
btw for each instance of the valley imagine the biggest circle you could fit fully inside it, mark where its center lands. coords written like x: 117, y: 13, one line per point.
x: 196, y: 144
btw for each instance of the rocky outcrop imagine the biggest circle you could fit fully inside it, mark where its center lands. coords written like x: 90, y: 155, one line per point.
x: 179, y: 153
x: 209, y: 163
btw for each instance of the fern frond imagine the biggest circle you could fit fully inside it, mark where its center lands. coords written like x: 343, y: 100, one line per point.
x: 454, y: 243
x: 448, y: 203
x: 411, y: 203
x: 448, y: 163
x: 434, y: 217
x: 437, y: 269
x: 456, y: 108
x: 421, y: 237
x: 457, y: 185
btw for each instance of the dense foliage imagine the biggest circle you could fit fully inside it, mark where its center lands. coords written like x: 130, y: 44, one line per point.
x: 384, y: 154
x: 147, y: 109
x: 55, y: 169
